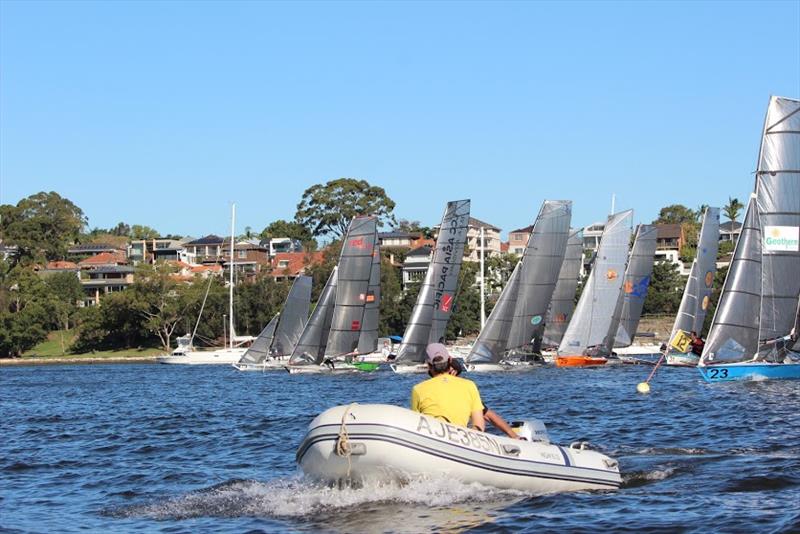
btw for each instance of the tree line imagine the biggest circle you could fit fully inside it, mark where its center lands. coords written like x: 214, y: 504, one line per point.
x: 157, y: 307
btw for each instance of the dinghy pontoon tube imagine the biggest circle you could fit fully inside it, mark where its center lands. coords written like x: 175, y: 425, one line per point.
x: 380, y: 442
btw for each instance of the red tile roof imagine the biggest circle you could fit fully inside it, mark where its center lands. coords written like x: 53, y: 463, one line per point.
x: 215, y: 268
x: 61, y: 265
x: 104, y: 258
x: 297, y: 262
x: 504, y: 246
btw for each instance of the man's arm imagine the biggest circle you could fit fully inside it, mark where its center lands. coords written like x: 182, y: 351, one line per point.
x: 495, y: 418
x: 477, y: 421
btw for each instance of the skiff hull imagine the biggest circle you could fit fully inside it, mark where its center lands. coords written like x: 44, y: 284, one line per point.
x: 677, y: 359
x: 392, y: 443
x: 579, y: 361
x: 750, y: 371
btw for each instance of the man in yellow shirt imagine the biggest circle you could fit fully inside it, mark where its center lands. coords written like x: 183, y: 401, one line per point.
x: 444, y: 396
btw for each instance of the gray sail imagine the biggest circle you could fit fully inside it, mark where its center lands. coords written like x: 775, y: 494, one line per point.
x: 697, y: 293
x: 310, y: 348
x: 635, y: 284
x: 434, y: 305
x: 541, y: 262
x: 563, y: 302
x: 492, y: 340
x: 258, y: 351
x: 368, y: 340
x: 293, y: 317
x: 734, y: 331
x: 778, y: 200
x: 355, y: 266
x: 594, y: 315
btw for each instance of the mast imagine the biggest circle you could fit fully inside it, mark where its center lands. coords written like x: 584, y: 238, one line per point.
x: 483, y: 287
x: 230, y: 283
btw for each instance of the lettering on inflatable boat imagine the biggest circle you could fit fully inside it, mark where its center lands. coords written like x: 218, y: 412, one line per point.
x: 458, y: 434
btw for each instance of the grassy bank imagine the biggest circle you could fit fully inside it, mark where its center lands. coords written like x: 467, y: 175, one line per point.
x: 56, y: 349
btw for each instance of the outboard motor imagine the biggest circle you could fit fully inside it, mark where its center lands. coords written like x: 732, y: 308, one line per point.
x: 531, y: 430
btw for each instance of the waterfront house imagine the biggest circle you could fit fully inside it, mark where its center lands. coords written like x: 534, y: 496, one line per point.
x: 290, y: 265
x: 729, y: 231
x: 102, y: 280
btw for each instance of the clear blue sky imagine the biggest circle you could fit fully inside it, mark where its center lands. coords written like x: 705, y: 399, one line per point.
x: 165, y: 113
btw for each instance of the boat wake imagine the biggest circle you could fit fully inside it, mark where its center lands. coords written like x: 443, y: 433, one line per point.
x: 298, y: 497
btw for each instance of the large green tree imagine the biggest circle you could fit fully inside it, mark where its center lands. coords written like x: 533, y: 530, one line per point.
x: 291, y: 229
x: 326, y: 209
x: 675, y: 214
x: 666, y: 289
x: 43, y: 226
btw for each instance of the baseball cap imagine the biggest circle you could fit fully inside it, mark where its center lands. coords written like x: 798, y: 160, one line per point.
x: 436, y: 352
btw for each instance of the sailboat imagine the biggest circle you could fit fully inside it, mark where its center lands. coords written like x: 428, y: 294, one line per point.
x: 436, y: 298
x: 309, y: 352
x: 634, y: 291
x: 562, y: 304
x: 754, y: 333
x: 354, y: 289
x: 527, y: 294
x: 590, y: 335
x: 697, y: 293
x: 236, y: 345
x: 278, y: 339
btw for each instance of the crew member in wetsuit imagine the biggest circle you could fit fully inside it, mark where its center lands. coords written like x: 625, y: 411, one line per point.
x: 697, y: 343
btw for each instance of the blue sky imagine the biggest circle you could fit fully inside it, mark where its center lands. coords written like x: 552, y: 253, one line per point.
x: 165, y: 113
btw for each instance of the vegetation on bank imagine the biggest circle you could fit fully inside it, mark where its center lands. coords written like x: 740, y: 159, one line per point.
x: 42, y: 314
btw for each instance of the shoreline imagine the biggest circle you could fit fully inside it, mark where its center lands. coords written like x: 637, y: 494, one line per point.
x: 11, y: 362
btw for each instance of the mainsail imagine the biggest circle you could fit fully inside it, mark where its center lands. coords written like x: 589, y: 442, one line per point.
x: 697, y: 293
x: 591, y: 324
x: 310, y: 348
x: 765, y: 272
x: 258, y: 351
x: 355, y: 267
x: 637, y: 280
x: 436, y: 297
x: 293, y: 317
x: 368, y: 340
x: 491, y: 343
x: 539, y: 267
x: 734, y: 330
x: 563, y: 302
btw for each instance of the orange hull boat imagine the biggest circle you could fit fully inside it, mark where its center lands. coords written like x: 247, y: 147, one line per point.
x: 579, y: 361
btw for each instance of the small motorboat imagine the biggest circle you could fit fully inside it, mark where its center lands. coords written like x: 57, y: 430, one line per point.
x: 580, y: 360
x: 361, y: 442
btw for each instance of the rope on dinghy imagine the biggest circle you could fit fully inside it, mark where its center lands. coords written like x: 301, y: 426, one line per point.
x: 343, y: 442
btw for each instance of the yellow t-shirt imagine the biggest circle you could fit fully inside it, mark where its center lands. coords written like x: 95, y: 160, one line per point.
x: 447, y: 397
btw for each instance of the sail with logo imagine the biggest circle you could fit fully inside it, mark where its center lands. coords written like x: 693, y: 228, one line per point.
x: 697, y: 292
x: 591, y: 331
x: 353, y: 286
x: 280, y: 336
x: 540, y: 266
x: 310, y: 349
x: 368, y: 339
x: 764, y: 274
x: 562, y: 304
x: 436, y: 297
x: 489, y: 349
x: 635, y: 284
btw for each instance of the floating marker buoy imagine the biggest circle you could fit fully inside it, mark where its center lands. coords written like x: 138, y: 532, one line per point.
x: 643, y: 388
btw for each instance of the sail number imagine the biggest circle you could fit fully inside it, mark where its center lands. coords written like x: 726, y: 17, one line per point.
x: 714, y: 374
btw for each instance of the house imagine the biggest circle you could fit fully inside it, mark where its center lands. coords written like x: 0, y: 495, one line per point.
x: 153, y: 250
x: 207, y: 249
x: 103, y: 280
x: 290, y: 265
x: 592, y: 235
x: 86, y: 250
x: 104, y: 259
x: 669, y: 241
x: 399, y: 239
x: 277, y: 245
x: 416, y: 265
x: 249, y: 259
x: 729, y: 231
x: 7, y: 251
x: 518, y: 240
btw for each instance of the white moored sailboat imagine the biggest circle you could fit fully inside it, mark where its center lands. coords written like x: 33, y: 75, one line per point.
x: 235, y: 347
x: 754, y: 334
x: 379, y: 442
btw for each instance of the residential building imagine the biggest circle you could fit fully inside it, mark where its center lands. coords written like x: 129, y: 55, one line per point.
x: 153, y: 250
x: 416, y: 265
x: 729, y: 231
x: 104, y: 280
x: 249, y: 258
x: 518, y: 240
x: 279, y: 245
x: 592, y: 235
x: 290, y: 265
x: 207, y: 249
x: 7, y: 251
x: 669, y: 241
x: 398, y: 239
x: 85, y: 250
x: 491, y: 239
x: 104, y: 259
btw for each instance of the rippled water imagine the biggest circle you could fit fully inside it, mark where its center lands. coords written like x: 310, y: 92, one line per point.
x: 186, y: 449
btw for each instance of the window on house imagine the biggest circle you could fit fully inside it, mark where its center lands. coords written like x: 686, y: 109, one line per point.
x: 242, y: 254
x: 283, y: 264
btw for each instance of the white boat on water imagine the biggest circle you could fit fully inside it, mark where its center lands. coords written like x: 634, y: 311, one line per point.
x: 382, y: 443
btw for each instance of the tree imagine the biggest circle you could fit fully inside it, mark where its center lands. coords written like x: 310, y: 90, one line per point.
x: 156, y: 297
x: 392, y: 315
x: 65, y: 293
x: 732, y: 208
x: 499, y: 269
x: 405, y: 225
x: 675, y: 214
x: 290, y: 229
x: 329, y: 208
x: 698, y: 214
x: 43, y: 226
x: 666, y: 289
x: 465, y: 319
x: 139, y: 231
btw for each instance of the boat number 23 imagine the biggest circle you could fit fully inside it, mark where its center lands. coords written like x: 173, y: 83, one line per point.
x: 717, y: 373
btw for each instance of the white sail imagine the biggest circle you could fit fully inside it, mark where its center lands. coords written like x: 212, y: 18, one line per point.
x: 594, y: 315
x: 562, y: 304
x: 491, y: 343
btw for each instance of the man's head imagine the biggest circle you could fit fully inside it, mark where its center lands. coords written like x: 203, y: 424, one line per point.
x: 693, y: 334
x: 438, y: 359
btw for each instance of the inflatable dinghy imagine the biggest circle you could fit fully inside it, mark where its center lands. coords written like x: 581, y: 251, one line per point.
x: 379, y: 442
